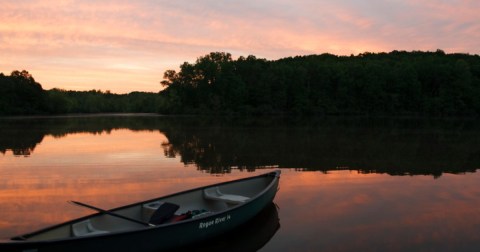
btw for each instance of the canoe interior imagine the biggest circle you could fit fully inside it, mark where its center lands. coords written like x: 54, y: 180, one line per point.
x: 103, y: 224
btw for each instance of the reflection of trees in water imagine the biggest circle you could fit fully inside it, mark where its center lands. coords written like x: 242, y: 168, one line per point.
x: 397, y: 147
x: 20, y: 141
x: 393, y: 146
x: 21, y: 135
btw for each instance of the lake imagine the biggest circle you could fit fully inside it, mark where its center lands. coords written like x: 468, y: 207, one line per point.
x: 348, y: 183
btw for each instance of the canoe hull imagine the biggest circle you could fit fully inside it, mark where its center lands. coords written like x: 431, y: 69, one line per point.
x: 161, y: 237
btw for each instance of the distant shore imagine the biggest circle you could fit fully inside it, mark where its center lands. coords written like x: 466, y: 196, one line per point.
x: 398, y: 83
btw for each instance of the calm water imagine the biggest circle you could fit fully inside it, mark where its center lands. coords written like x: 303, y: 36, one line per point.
x: 348, y: 184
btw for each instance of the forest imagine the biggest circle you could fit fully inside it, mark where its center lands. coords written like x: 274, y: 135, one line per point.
x: 396, y: 83
x: 20, y: 94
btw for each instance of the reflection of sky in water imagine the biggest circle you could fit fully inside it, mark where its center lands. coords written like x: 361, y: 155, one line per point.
x: 106, y: 170
x: 348, y: 211
x: 337, y: 211
x: 86, y: 148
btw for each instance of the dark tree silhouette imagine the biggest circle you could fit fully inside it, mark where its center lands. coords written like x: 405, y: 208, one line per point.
x: 395, y: 83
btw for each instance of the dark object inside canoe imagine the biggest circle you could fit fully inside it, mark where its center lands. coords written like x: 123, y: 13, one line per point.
x: 164, y: 212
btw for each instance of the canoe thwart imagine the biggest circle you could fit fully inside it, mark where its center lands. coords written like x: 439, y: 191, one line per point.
x: 214, y: 193
x: 84, y: 228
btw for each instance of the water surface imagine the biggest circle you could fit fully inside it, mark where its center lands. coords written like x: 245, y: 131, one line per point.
x: 347, y: 184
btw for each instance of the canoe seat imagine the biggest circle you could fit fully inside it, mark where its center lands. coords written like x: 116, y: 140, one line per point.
x: 213, y: 193
x: 84, y: 228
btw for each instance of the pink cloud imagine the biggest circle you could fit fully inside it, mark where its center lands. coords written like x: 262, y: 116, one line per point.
x: 144, y: 38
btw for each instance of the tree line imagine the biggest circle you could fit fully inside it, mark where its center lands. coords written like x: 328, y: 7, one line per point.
x: 395, y: 83
x: 20, y: 94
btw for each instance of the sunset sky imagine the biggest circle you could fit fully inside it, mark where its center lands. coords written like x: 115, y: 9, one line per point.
x: 125, y: 46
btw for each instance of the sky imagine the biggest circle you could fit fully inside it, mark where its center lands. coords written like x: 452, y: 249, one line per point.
x: 124, y: 46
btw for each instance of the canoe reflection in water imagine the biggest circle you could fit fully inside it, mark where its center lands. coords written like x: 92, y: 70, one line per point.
x: 252, y: 236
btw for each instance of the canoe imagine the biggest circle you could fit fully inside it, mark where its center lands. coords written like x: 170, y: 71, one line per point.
x: 158, y: 224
